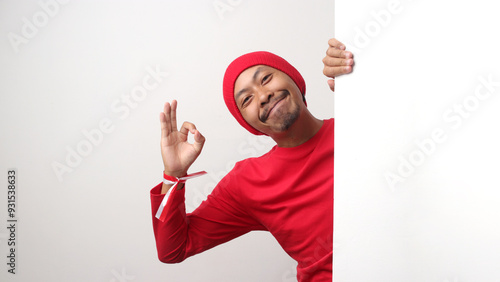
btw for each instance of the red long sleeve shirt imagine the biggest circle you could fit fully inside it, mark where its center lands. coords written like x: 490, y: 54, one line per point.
x: 287, y: 191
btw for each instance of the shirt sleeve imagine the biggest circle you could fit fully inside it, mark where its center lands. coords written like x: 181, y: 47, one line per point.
x: 218, y: 219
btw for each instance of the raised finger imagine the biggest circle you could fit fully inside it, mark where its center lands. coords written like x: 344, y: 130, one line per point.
x: 173, y: 116
x: 164, y: 124
x: 167, y: 112
x: 336, y: 44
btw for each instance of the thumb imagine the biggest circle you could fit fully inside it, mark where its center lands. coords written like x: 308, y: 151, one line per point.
x: 331, y: 83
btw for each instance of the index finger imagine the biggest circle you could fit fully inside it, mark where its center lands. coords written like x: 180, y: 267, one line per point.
x: 336, y: 44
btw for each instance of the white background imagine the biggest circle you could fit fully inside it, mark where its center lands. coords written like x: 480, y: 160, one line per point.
x: 423, y: 61
x: 75, y: 68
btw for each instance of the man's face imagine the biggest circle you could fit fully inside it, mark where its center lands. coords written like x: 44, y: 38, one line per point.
x: 268, y: 99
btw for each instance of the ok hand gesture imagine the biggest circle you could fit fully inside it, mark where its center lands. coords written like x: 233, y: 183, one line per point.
x: 177, y: 153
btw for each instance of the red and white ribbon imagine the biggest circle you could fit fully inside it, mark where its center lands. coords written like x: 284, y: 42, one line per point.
x: 161, y: 214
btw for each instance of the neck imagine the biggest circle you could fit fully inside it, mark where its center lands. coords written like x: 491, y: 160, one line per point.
x: 303, y: 129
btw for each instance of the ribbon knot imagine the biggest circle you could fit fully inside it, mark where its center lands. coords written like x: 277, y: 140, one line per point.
x: 161, y: 214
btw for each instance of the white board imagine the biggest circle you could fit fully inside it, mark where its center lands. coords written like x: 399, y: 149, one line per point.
x: 416, y: 182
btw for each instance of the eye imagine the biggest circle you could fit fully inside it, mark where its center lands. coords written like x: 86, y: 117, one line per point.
x: 245, y: 100
x: 266, y: 78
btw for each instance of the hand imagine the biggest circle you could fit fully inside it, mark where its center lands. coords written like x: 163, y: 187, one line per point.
x: 337, y: 61
x: 177, y: 153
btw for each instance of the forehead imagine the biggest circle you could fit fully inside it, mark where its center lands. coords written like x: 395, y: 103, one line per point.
x: 248, y: 76
x: 250, y: 72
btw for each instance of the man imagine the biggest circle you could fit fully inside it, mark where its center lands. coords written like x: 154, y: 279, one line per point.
x: 288, y: 191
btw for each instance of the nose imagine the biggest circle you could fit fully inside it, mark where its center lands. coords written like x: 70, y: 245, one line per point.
x: 265, y: 97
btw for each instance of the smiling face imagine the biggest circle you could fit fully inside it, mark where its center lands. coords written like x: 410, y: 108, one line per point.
x: 268, y: 99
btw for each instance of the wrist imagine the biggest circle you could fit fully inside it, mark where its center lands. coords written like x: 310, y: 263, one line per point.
x: 170, y: 183
x: 175, y: 173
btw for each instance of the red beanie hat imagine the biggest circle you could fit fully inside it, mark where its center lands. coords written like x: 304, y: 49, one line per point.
x: 249, y: 60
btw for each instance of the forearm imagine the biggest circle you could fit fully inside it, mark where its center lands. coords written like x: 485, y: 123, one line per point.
x: 170, y: 235
x: 166, y: 187
x: 175, y: 237
x: 182, y: 235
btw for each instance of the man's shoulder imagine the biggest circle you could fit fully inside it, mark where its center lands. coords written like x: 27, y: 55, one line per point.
x: 256, y: 159
x: 250, y: 162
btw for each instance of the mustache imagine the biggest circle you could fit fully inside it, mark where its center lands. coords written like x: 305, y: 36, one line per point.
x: 265, y: 112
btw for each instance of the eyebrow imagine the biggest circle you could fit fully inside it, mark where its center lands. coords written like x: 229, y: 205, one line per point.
x: 254, y: 78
